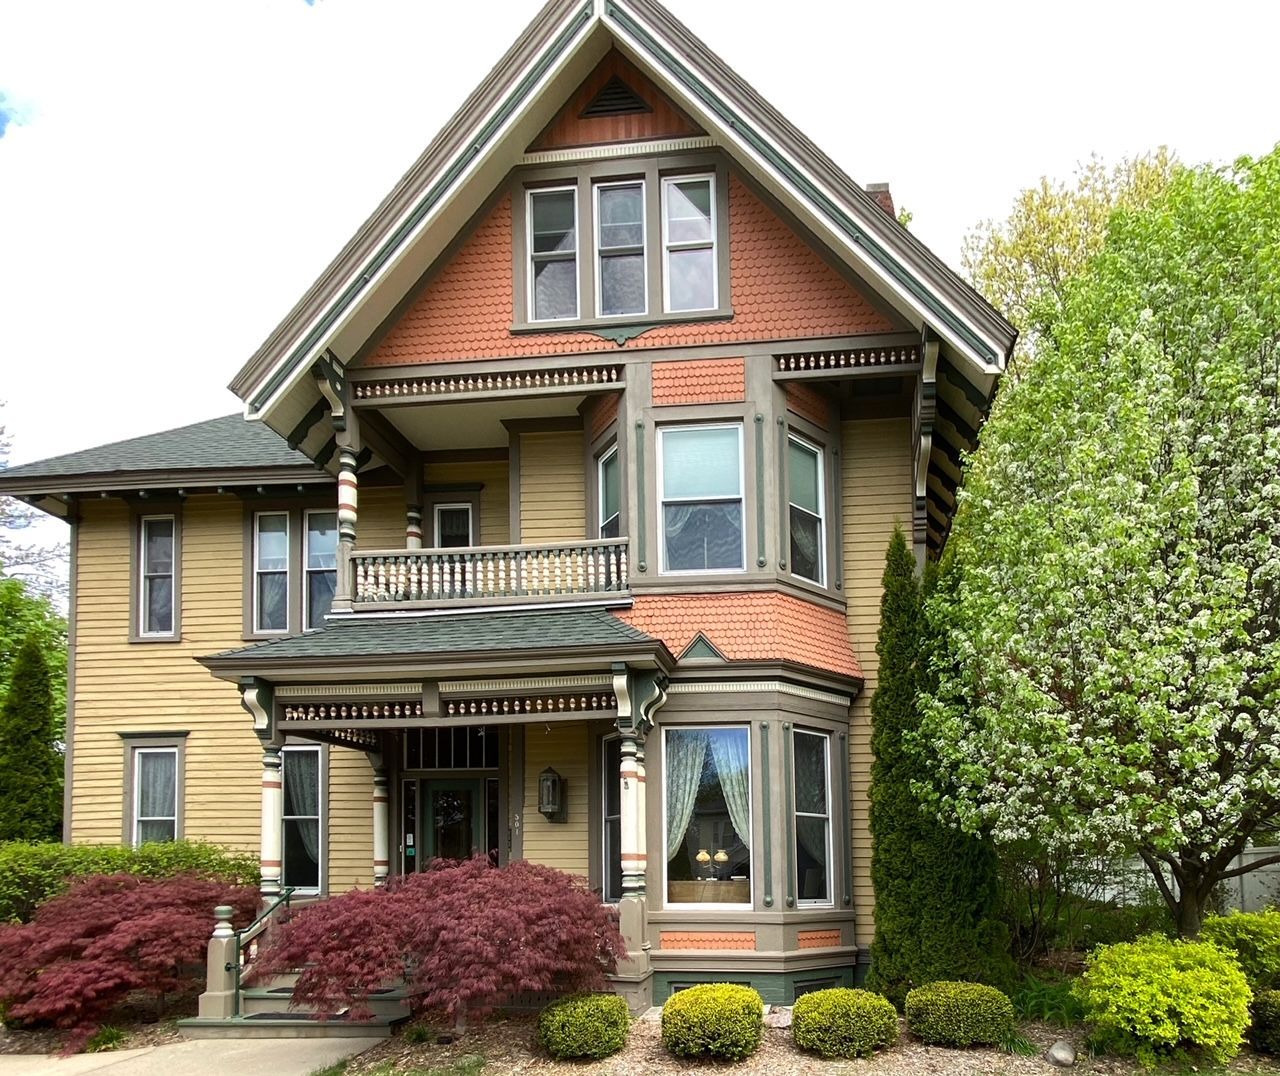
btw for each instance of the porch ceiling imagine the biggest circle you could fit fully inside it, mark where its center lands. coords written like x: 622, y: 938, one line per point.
x: 449, y: 425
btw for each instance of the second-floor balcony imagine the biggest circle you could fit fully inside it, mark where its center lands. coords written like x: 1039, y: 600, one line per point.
x: 500, y: 574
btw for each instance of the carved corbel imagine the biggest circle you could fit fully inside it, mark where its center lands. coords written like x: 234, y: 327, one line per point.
x: 257, y: 699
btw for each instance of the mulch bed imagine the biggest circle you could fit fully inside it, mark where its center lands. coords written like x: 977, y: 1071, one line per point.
x: 507, y: 1046
x: 138, y: 1022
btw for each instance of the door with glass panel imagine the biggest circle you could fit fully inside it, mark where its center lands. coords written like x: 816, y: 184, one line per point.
x: 453, y: 814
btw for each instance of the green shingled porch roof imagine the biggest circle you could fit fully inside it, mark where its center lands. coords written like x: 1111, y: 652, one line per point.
x: 454, y: 632
x: 217, y: 444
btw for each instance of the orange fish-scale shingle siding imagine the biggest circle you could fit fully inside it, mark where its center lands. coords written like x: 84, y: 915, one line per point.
x: 809, y: 404
x: 699, y: 381
x: 780, y: 289
x: 755, y: 626
x: 601, y: 412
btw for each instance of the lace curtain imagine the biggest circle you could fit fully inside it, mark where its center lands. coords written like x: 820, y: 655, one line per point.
x: 302, y: 797
x: 686, y: 755
x: 729, y: 750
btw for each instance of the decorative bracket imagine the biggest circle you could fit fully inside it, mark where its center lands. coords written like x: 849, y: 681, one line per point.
x: 622, y: 334
x: 331, y: 379
x: 640, y: 695
x: 257, y: 700
x: 926, y: 407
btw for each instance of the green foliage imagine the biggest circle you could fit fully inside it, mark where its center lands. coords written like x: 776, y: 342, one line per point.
x: 104, y: 1039
x: 25, y: 614
x: 936, y: 887
x: 30, y: 764
x: 1254, y: 938
x: 844, y: 1023
x: 715, y: 1020
x: 1050, y: 1001
x: 959, y: 1014
x: 1159, y: 997
x: 1110, y: 676
x: 1264, y: 1024
x: 585, y: 1025
x: 31, y: 873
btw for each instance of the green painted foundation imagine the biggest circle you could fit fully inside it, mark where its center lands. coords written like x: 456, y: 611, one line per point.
x: 776, y: 988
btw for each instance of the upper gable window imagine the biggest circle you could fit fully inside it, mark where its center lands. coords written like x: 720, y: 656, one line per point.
x: 689, y: 243
x: 620, y: 229
x: 553, y: 254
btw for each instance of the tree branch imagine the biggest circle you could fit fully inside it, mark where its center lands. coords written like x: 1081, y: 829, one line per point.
x: 1235, y: 872
x: 1153, y: 865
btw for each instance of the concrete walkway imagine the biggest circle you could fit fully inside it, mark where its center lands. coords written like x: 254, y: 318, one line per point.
x: 195, y: 1057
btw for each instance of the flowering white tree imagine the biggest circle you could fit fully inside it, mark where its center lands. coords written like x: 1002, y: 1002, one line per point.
x: 1109, y: 674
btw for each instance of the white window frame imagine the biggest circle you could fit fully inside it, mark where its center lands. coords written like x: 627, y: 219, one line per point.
x: 258, y: 629
x: 605, y: 778
x: 712, y: 244
x: 662, y: 499
x: 531, y: 309
x: 144, y: 575
x: 810, y: 446
x: 138, y: 817
x: 448, y: 506
x: 321, y: 793
x: 307, y: 570
x: 825, y: 737
x: 610, y: 453
x: 644, y: 245
x: 751, y: 824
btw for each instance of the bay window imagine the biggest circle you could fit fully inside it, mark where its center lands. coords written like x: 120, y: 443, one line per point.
x: 300, y: 846
x: 271, y: 572
x: 689, y: 243
x: 700, y: 483
x: 806, y: 509
x: 553, y: 254
x: 707, y: 781
x: 320, y: 562
x: 620, y: 228
x: 811, y: 766
x: 157, y: 559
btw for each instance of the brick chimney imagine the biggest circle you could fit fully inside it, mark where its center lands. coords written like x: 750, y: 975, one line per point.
x: 880, y: 192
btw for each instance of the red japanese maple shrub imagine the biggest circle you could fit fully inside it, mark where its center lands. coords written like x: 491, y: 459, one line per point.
x: 108, y: 936
x: 466, y: 937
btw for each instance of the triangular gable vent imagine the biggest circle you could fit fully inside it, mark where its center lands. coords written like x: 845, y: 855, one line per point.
x: 701, y: 648
x: 615, y: 98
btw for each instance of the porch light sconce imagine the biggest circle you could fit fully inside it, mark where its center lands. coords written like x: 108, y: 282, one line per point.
x: 551, y: 795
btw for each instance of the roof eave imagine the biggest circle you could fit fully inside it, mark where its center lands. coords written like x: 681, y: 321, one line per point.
x: 109, y: 481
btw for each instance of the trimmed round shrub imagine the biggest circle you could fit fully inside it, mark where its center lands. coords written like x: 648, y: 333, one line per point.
x: 959, y: 1014
x: 1254, y: 938
x: 717, y: 1020
x: 584, y: 1025
x: 844, y: 1023
x: 1159, y: 998
x: 1264, y: 1031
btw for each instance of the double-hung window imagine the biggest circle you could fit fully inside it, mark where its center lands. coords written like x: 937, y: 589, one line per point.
x: 301, y: 859
x: 271, y: 572
x: 620, y: 231
x: 155, y: 794
x: 806, y: 509
x: 320, y: 560
x: 811, y: 763
x: 689, y: 243
x: 700, y: 478
x: 553, y: 254
x: 157, y: 557
x: 609, y: 493
x: 453, y: 526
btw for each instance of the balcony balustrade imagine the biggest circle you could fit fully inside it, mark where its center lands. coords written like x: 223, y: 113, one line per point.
x: 488, y: 575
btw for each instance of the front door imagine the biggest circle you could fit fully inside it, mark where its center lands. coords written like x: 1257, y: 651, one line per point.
x: 453, y: 814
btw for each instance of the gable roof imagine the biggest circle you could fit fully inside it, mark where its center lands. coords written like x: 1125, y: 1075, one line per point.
x: 207, y: 450
x: 504, y: 114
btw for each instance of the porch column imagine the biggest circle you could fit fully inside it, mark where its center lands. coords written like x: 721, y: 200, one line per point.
x: 348, y: 498
x: 631, y: 814
x: 272, y: 821
x: 381, y: 824
x: 413, y: 503
x: 413, y: 526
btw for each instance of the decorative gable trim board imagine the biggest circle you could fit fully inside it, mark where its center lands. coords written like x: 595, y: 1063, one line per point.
x: 619, y: 149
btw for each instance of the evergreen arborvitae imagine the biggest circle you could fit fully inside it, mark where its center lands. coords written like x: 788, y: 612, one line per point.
x: 936, y: 888
x: 30, y: 765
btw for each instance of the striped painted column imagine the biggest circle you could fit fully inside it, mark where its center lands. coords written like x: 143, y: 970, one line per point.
x: 348, y: 495
x: 631, y: 816
x: 381, y: 827
x: 413, y: 526
x: 269, y: 860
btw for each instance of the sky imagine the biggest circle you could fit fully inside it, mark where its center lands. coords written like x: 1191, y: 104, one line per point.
x: 173, y: 175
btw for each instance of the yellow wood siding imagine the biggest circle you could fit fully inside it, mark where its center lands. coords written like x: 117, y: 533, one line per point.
x: 382, y: 518
x: 876, y: 496
x: 350, y: 820
x: 565, y: 748
x: 553, y: 493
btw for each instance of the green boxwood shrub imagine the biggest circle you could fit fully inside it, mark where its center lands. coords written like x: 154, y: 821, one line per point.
x: 959, y: 1014
x: 843, y: 1022
x: 719, y: 1020
x: 1254, y: 938
x: 584, y: 1025
x: 1158, y: 997
x: 1264, y: 1030
x: 31, y: 873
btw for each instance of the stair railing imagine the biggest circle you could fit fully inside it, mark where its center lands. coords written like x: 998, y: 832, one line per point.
x: 246, y: 942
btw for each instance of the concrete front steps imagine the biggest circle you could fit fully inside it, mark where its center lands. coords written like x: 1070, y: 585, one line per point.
x: 265, y: 1014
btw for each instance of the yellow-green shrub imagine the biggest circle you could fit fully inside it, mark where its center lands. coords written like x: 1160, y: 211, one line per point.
x: 844, y: 1023
x: 1254, y: 938
x: 584, y: 1025
x: 1264, y: 1031
x: 718, y: 1020
x: 1159, y: 997
x: 959, y: 1014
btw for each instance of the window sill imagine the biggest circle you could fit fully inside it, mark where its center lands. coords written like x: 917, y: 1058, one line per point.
x: 155, y: 638
x: 630, y: 325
